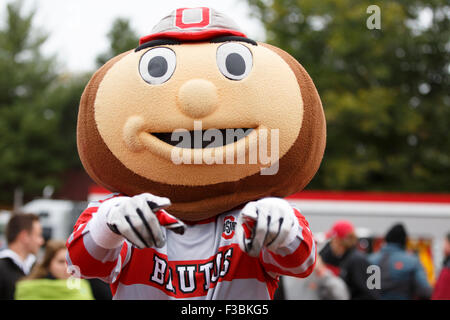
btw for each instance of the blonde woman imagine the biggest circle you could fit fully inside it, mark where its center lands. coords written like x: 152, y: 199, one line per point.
x: 49, y: 279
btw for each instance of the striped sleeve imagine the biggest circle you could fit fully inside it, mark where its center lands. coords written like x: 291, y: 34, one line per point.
x: 93, y: 250
x: 296, y: 259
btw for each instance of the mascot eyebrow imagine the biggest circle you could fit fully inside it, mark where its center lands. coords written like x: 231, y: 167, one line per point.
x: 233, y: 38
x: 162, y: 42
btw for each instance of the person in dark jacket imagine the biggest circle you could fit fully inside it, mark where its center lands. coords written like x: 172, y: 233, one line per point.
x: 402, y: 274
x: 100, y: 289
x: 24, y: 238
x: 442, y: 287
x: 342, y: 256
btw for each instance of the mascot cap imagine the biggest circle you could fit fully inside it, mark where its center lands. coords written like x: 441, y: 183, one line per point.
x: 193, y: 24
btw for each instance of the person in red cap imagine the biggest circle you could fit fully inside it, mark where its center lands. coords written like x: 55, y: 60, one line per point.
x: 342, y: 257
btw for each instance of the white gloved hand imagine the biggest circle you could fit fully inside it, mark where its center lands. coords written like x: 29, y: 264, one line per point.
x: 269, y: 222
x: 137, y: 219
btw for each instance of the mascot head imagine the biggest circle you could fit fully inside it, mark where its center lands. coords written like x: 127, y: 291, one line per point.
x: 202, y: 115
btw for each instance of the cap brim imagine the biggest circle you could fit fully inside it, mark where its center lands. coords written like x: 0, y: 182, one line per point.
x: 191, y: 36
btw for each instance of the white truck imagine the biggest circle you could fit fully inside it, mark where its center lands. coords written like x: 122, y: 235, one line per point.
x: 57, y: 216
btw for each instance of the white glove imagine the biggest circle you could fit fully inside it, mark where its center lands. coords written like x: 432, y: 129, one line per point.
x: 138, y: 219
x: 269, y: 222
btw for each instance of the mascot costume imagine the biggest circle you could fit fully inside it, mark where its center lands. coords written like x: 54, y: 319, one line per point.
x: 200, y: 132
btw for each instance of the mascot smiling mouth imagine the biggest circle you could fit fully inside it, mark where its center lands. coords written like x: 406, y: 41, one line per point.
x: 203, y: 139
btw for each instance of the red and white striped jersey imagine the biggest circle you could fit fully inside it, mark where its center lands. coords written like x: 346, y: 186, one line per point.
x: 205, y: 262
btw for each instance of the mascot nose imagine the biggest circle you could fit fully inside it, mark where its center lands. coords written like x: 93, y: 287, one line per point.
x: 197, y: 98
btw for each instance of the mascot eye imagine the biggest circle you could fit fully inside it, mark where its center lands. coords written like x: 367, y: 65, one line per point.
x: 157, y: 65
x: 234, y: 60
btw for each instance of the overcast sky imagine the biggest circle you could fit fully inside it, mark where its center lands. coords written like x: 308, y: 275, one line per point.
x: 78, y: 28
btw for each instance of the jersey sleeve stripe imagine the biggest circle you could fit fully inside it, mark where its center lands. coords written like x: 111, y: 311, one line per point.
x: 89, y: 266
x: 92, y: 260
x: 97, y: 252
x: 303, y: 270
x: 302, y: 252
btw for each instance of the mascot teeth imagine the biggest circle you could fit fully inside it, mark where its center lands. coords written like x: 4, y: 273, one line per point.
x: 201, y: 139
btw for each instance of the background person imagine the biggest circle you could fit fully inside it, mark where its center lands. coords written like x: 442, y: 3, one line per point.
x: 24, y: 238
x: 402, y: 274
x: 347, y: 261
x: 322, y: 284
x: 100, y: 289
x: 48, y: 279
x: 442, y: 287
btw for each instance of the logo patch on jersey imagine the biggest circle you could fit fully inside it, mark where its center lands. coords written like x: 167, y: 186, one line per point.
x: 229, y: 225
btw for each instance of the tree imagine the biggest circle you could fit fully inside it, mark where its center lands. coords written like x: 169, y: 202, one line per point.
x: 122, y: 38
x: 384, y: 91
x: 37, y: 106
x: 25, y: 72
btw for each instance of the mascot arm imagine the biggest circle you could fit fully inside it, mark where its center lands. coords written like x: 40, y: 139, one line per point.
x: 271, y: 229
x: 88, y: 259
x: 102, y: 229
